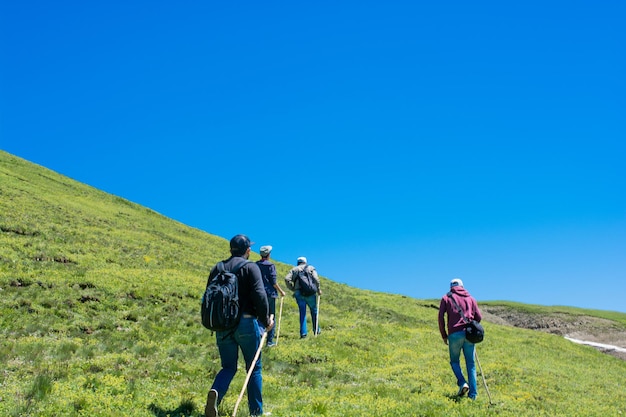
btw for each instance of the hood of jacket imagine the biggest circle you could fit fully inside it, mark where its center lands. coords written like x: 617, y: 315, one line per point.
x: 460, y: 291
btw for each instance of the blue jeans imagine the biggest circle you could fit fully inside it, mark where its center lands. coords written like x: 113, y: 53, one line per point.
x: 304, y: 301
x: 247, y: 337
x: 456, y: 344
x: 271, y: 301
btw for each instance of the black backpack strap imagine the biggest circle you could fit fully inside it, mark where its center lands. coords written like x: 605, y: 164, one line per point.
x: 458, y: 308
x: 220, y: 267
x: 239, y: 266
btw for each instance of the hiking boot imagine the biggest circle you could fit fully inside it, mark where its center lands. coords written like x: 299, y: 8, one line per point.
x: 463, y: 390
x: 210, y: 410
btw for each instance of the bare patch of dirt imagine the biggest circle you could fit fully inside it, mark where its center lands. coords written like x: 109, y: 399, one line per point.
x: 581, y: 327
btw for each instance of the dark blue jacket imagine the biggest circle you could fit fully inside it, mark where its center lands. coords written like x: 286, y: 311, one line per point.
x: 268, y: 272
x: 252, y: 296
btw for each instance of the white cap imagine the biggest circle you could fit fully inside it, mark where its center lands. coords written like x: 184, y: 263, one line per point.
x: 301, y: 260
x: 456, y: 282
x: 265, y: 250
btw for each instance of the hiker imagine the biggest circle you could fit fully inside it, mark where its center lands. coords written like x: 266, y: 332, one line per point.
x: 247, y: 335
x: 305, y: 293
x: 268, y: 272
x: 455, y: 335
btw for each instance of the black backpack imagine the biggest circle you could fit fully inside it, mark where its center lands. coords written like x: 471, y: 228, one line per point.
x: 220, y: 303
x: 308, y: 286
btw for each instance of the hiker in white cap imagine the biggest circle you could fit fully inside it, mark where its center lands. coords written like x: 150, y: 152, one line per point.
x: 268, y: 271
x: 305, y: 284
x: 454, y: 337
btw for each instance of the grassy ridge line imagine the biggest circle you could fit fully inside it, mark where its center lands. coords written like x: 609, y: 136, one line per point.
x: 99, y: 316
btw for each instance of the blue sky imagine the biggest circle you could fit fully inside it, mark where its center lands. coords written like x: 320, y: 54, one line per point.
x: 396, y: 144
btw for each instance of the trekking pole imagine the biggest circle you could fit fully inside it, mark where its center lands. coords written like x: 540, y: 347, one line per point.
x: 317, y: 316
x: 251, y: 369
x: 482, y: 374
x: 280, y: 316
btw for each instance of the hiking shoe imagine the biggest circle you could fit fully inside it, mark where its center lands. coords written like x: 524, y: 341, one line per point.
x: 463, y: 390
x: 302, y: 336
x: 210, y: 410
x: 271, y: 344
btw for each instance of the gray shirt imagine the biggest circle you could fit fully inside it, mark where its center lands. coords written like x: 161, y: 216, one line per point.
x: 293, y: 284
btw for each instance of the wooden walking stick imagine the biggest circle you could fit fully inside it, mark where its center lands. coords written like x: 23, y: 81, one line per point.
x: 317, y: 316
x: 280, y: 316
x: 483, y: 375
x: 251, y: 369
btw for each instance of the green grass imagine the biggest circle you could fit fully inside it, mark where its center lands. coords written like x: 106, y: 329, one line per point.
x: 99, y: 314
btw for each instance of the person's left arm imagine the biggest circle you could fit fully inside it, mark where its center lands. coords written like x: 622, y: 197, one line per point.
x: 477, y: 314
x: 274, y: 281
x: 258, y: 294
x: 317, y: 280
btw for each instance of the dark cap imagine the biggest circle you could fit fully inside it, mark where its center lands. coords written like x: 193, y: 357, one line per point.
x: 240, y: 243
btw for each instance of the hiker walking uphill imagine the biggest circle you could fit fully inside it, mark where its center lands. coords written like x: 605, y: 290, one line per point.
x: 246, y: 334
x: 268, y: 272
x: 305, y: 284
x: 454, y: 334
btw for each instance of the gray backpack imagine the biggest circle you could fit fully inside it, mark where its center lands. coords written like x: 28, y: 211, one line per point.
x: 308, y: 286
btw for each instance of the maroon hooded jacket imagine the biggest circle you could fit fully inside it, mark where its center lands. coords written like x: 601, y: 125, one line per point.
x: 455, y: 321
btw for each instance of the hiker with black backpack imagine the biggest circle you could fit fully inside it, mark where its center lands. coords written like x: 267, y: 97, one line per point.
x: 305, y: 284
x: 246, y: 334
x: 461, y: 308
x: 268, y: 272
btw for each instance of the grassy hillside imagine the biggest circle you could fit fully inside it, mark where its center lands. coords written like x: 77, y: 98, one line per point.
x: 99, y: 314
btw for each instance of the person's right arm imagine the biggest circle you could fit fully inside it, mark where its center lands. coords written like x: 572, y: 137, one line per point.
x: 442, y: 321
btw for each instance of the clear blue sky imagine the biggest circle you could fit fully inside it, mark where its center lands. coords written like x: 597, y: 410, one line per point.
x: 396, y: 144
